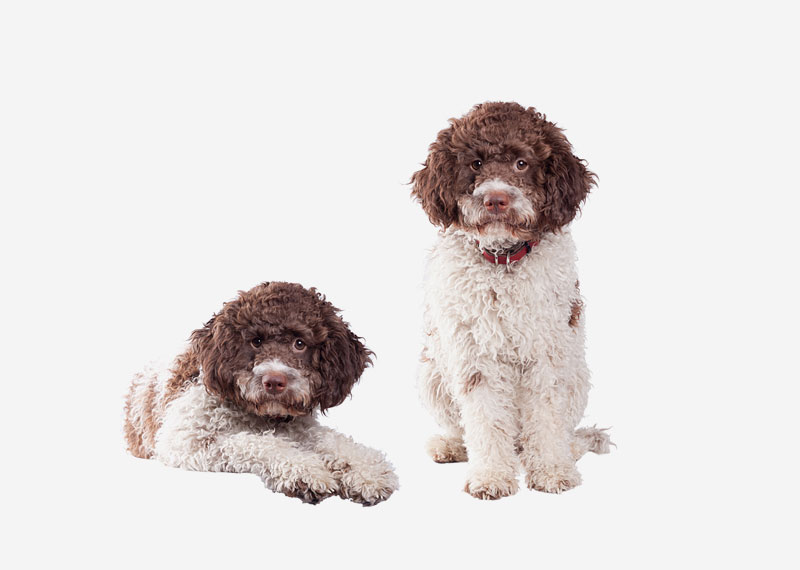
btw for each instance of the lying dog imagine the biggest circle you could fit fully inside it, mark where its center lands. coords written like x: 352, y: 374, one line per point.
x: 243, y: 398
x: 503, y: 369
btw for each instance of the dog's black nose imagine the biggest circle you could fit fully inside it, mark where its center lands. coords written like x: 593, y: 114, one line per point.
x: 274, y: 382
x: 496, y: 201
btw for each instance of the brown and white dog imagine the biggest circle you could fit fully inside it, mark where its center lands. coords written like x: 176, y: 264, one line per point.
x: 503, y: 367
x: 244, y: 395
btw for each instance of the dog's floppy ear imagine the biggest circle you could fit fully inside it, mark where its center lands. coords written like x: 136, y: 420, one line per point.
x: 567, y: 182
x: 341, y: 359
x: 214, y: 351
x: 435, y: 183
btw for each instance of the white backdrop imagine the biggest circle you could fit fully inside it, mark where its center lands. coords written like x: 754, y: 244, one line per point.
x: 156, y: 157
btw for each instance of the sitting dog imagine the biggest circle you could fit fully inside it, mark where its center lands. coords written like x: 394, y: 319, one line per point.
x: 243, y: 398
x: 503, y: 367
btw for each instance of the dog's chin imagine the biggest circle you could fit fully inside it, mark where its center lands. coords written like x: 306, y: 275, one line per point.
x: 499, y: 233
x: 271, y: 407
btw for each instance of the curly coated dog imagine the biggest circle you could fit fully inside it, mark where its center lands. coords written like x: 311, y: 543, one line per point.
x: 503, y: 367
x: 244, y: 395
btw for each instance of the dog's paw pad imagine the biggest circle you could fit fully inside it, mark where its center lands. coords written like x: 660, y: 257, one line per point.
x: 446, y: 449
x: 491, y: 486
x: 553, y: 478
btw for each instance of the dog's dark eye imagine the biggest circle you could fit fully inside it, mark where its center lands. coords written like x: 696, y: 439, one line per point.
x: 521, y: 165
x: 256, y: 342
x: 476, y: 165
x: 299, y: 345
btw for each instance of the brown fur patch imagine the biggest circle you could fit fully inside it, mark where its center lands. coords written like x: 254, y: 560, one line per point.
x: 184, y: 372
x: 575, y: 313
x: 150, y: 424
x: 133, y: 440
x: 133, y: 436
x: 473, y: 382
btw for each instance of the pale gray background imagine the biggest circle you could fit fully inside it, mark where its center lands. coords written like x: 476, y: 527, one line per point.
x: 158, y: 156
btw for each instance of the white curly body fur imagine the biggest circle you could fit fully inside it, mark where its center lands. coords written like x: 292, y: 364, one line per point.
x: 503, y: 371
x: 299, y: 457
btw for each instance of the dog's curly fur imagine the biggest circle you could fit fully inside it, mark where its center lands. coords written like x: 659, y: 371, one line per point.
x: 212, y: 411
x: 503, y: 369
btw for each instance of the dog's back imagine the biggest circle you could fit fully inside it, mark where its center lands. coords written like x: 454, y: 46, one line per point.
x: 147, y: 399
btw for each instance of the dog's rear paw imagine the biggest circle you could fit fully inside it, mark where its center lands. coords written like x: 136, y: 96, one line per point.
x: 446, y: 449
x: 491, y: 485
x: 553, y: 478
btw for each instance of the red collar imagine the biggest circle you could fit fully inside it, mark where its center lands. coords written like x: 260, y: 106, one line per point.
x: 509, y: 257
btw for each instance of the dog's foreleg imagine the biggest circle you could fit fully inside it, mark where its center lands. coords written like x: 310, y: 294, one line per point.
x: 548, y: 436
x: 448, y: 447
x: 489, y: 418
x: 364, y: 474
x: 192, y: 439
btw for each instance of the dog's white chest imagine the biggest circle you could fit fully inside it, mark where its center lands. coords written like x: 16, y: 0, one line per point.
x: 505, y: 311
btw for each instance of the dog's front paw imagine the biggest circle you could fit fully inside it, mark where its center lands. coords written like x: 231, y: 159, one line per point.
x: 368, y: 485
x: 486, y: 484
x: 446, y: 449
x: 553, y: 478
x: 310, y: 485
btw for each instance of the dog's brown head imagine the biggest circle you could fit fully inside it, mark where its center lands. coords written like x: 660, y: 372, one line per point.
x: 279, y: 350
x: 502, y: 172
